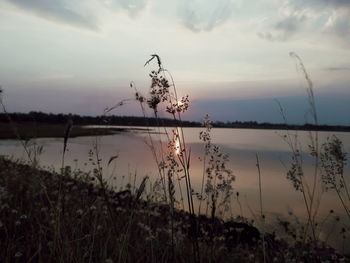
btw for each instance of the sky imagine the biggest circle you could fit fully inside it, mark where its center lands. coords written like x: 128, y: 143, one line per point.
x: 230, y: 56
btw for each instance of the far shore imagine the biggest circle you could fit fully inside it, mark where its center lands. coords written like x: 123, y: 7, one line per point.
x: 40, y: 124
x: 30, y: 130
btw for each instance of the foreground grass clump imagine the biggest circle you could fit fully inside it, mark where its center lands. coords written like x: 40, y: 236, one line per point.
x: 82, y: 222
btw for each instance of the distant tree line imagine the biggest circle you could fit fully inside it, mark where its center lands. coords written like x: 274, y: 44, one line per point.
x: 51, y: 118
x: 280, y: 126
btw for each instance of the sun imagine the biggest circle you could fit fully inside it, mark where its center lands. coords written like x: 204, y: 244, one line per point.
x: 177, y: 146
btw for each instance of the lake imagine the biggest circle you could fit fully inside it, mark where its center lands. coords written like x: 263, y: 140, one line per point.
x: 134, y: 158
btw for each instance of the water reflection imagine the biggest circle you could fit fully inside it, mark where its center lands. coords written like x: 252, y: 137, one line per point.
x: 242, y: 145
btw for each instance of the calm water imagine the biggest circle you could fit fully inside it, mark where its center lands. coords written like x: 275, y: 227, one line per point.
x: 242, y: 145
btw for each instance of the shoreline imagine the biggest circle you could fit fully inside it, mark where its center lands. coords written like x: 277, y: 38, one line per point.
x: 30, y: 130
x: 26, y: 131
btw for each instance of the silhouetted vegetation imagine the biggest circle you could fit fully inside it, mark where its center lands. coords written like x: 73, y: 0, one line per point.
x: 280, y: 126
x: 51, y: 118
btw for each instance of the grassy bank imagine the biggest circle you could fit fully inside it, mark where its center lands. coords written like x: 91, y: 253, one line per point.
x: 68, y: 217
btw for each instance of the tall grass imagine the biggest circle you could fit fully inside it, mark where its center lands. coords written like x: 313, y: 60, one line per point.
x: 333, y: 160
x: 173, y: 157
x: 328, y: 161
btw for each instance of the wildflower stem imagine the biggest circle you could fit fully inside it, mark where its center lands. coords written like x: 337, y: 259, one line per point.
x: 261, y: 206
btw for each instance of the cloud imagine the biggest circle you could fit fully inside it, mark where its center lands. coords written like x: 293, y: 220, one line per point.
x: 196, y: 15
x: 58, y: 11
x: 284, y: 29
x: 327, y: 18
x: 341, y: 3
x: 338, y: 68
x: 204, y: 15
x: 76, y: 13
x: 132, y: 6
x: 338, y: 25
x: 290, y: 21
x: 326, y: 3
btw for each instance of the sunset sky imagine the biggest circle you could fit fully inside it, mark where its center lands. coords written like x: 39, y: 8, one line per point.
x: 230, y: 56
